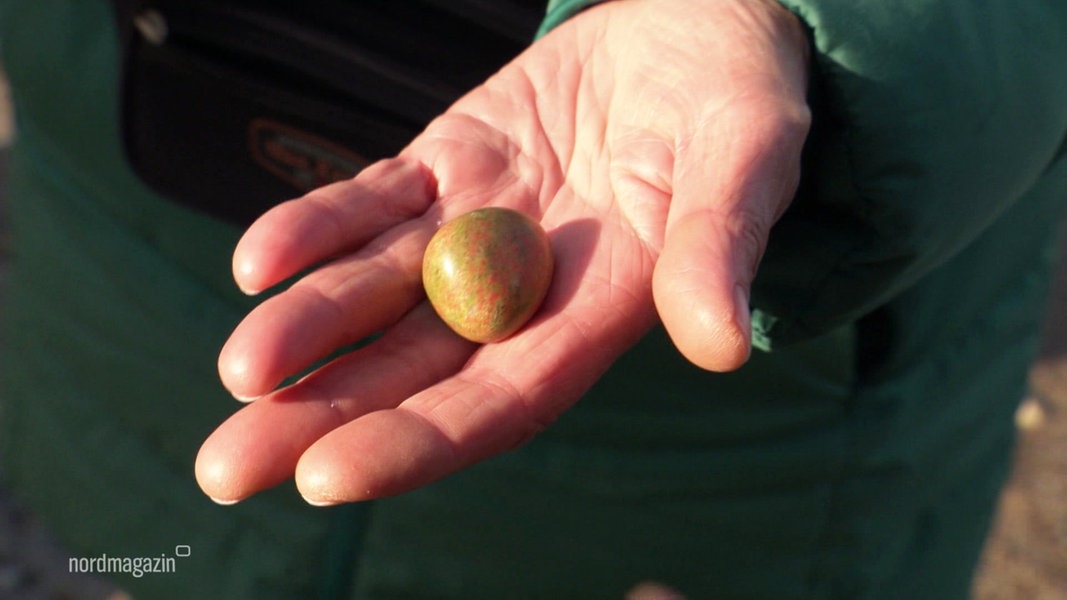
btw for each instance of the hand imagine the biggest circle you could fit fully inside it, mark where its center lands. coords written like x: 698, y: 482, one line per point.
x: 656, y: 142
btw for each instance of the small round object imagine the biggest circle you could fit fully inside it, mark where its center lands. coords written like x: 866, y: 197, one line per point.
x: 487, y: 272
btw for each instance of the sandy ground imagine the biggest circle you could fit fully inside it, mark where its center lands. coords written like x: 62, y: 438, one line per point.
x: 1025, y: 557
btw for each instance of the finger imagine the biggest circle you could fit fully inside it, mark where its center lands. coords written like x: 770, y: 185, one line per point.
x: 506, y: 392
x: 437, y: 432
x: 301, y: 233
x: 731, y: 184
x: 339, y: 304
x: 258, y: 447
x: 479, y: 413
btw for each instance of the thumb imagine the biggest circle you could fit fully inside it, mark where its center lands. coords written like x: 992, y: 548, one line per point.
x: 731, y: 183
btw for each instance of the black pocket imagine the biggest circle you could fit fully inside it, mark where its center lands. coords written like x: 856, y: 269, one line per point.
x: 232, y: 106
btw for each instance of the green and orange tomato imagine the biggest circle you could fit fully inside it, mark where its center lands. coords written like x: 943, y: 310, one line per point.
x: 487, y: 272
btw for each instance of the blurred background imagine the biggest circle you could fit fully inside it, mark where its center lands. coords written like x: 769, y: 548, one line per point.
x: 1025, y: 557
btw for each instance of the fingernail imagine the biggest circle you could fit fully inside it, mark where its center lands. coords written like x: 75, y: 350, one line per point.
x: 243, y: 270
x: 246, y: 399
x: 320, y: 503
x: 742, y: 309
x: 222, y: 502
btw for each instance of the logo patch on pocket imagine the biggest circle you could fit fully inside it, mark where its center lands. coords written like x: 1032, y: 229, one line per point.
x: 301, y: 159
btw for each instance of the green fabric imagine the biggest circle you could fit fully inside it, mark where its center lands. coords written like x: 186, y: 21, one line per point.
x: 858, y: 460
x: 559, y: 11
x: 114, y: 311
x: 935, y: 118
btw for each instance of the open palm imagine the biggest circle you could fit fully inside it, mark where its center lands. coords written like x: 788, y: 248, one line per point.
x: 656, y: 143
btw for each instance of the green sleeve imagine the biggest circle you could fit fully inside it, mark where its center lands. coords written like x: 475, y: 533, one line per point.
x: 932, y: 119
x: 559, y: 11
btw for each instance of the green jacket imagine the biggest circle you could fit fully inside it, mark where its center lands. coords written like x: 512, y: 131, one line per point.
x: 857, y: 457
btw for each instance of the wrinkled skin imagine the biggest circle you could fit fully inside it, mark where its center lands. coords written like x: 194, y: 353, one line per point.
x: 656, y: 142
